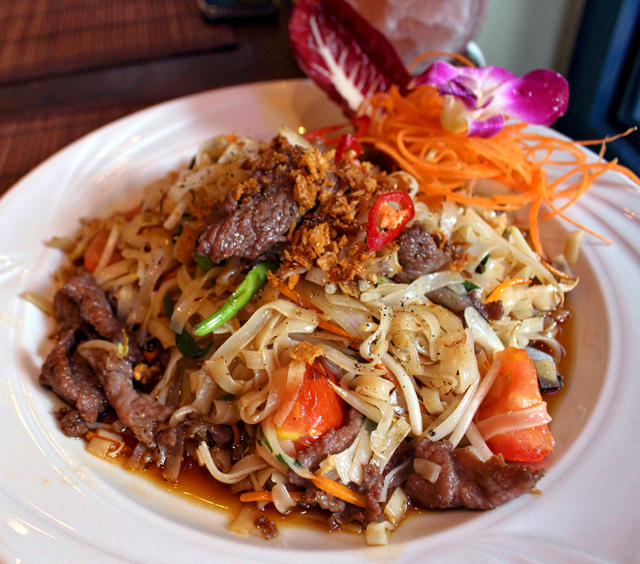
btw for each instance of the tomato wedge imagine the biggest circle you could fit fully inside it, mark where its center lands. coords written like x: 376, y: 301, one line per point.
x: 516, y: 388
x: 316, y: 410
x: 385, y: 221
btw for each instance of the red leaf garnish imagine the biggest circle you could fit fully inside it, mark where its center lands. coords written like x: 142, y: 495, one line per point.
x: 342, y: 53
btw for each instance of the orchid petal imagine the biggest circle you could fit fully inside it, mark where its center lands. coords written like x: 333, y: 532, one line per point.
x: 447, y: 79
x: 486, y: 79
x: 488, y: 95
x: 437, y: 74
x: 540, y: 97
x: 486, y: 127
x: 460, y: 91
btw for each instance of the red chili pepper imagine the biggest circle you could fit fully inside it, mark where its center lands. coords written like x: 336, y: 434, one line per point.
x: 387, y: 222
x: 348, y: 141
x: 321, y: 134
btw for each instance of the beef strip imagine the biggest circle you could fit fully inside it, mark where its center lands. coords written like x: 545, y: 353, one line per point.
x: 418, y: 253
x: 263, y: 216
x: 457, y: 303
x: 491, y: 311
x: 140, y: 412
x: 334, y: 441
x: 77, y: 387
x: 71, y: 422
x: 81, y: 305
x: 373, y: 483
x: 314, y: 496
x: 351, y: 514
x: 466, y: 481
x: 171, y: 443
x: 266, y: 527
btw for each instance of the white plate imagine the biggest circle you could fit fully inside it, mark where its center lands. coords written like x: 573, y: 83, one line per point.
x: 59, y: 504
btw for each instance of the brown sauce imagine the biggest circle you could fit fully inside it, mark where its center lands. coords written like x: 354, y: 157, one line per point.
x: 196, y: 485
x: 566, y: 338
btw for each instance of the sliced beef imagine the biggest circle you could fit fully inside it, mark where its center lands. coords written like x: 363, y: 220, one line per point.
x: 71, y: 422
x: 491, y: 311
x: 78, y: 387
x: 140, y: 412
x: 171, y: 443
x: 418, y: 254
x: 266, y: 527
x: 250, y: 223
x: 457, y: 303
x: 351, y: 514
x: 82, y: 306
x: 466, y: 481
x: 373, y: 483
x: 334, y: 441
x: 314, y: 496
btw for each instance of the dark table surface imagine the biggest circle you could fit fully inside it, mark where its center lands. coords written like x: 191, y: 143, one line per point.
x: 41, y: 115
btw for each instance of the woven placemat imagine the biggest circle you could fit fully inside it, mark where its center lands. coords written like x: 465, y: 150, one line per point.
x: 48, y: 37
x: 27, y: 140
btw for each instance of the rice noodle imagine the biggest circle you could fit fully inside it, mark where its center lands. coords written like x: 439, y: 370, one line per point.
x: 109, y: 247
x: 409, y: 392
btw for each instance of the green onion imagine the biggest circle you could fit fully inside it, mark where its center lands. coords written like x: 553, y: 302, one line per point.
x: 483, y: 264
x: 185, y: 342
x: 203, y: 262
x: 226, y: 397
x: 168, y: 306
x: 254, y: 280
x: 264, y: 440
x: 281, y: 459
x: 188, y: 346
x: 470, y: 286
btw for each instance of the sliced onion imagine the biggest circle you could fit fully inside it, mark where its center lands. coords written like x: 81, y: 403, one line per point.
x: 482, y: 331
x: 100, y: 447
x: 427, y: 469
x: 397, y: 506
x: 418, y: 288
x: 295, y: 379
x: 378, y: 533
x: 514, y: 421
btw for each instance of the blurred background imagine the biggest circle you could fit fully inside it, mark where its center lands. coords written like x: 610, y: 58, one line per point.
x: 70, y: 66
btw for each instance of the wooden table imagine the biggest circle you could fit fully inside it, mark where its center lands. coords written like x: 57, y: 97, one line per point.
x: 41, y: 115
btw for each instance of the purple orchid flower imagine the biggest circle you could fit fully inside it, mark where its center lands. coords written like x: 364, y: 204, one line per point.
x: 477, y: 100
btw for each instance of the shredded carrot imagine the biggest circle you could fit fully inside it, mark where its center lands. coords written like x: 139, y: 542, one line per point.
x: 495, y: 295
x: 338, y: 490
x: 292, y: 281
x: 322, y: 323
x: 256, y: 496
x: 335, y: 329
x: 297, y: 298
x: 448, y: 165
x: 555, y: 271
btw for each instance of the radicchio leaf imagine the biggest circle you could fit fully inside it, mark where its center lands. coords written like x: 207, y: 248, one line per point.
x: 342, y: 53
